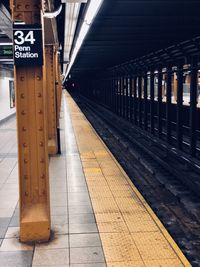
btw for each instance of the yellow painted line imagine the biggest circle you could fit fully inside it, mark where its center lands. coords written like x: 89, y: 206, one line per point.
x: 124, y: 213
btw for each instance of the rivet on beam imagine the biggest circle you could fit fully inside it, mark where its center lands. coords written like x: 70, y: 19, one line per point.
x: 41, y: 143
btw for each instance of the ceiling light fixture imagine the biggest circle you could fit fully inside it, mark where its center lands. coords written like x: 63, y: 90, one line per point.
x: 92, y: 10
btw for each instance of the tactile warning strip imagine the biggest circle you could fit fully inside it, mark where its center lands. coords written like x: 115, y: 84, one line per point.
x: 130, y: 232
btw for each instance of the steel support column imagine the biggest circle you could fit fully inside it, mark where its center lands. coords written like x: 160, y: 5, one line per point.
x: 58, y: 94
x: 169, y: 103
x: 135, y: 99
x: 131, y: 99
x: 179, y: 125
x: 145, y: 103
x: 160, y: 79
x: 193, y: 108
x: 152, y: 102
x: 32, y: 136
x: 140, y: 101
x: 51, y: 98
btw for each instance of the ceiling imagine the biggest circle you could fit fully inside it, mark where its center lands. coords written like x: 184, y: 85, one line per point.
x: 127, y: 29
x: 5, y: 25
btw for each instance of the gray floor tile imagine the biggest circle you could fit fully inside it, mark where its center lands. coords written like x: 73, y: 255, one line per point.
x: 58, y: 242
x: 81, y: 218
x: 58, y: 189
x: 85, y: 200
x: 54, y: 265
x: 77, y: 189
x: 82, y: 228
x: 78, y: 195
x: 85, y: 240
x: 16, y: 212
x: 75, y: 175
x: 59, y: 203
x: 5, y: 213
x: 4, y: 222
x: 60, y: 229
x: 58, y: 184
x: 74, y: 165
x: 14, y: 221
x: 59, y: 211
x: 76, y: 182
x: 59, y: 220
x: 87, y: 255
x: 72, y: 158
x: 16, y: 259
x: 80, y: 209
x: 13, y: 244
x: 51, y: 257
x: 12, y: 232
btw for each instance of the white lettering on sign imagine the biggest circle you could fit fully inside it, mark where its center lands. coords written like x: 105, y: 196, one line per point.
x: 26, y: 55
x: 20, y: 38
x: 22, y: 48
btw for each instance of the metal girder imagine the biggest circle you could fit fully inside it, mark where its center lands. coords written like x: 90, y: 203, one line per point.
x: 50, y: 29
x: 51, y: 98
x: 5, y: 21
x: 31, y: 112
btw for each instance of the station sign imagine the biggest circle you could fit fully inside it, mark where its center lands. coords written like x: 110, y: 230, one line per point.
x: 27, y: 44
x: 6, y: 52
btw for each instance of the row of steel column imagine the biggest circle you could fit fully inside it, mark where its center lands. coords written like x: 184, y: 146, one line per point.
x: 126, y: 93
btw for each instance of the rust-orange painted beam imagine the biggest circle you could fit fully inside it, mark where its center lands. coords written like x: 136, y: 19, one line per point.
x: 51, y: 98
x: 32, y: 136
x: 58, y: 86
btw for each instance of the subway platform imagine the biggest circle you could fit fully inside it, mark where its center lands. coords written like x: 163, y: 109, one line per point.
x: 98, y: 217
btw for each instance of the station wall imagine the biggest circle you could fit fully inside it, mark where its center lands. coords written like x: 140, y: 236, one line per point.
x: 7, y: 94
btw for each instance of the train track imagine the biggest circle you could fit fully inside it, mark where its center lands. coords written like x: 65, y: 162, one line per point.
x: 159, y: 176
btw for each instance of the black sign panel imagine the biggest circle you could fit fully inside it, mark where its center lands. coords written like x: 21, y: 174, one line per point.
x: 27, y: 42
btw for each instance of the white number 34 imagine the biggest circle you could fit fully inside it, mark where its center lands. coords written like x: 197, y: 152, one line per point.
x: 20, y: 38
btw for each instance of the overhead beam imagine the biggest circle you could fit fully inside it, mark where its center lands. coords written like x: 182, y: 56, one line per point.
x: 5, y: 21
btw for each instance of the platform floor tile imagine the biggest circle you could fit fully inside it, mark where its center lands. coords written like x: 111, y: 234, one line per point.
x: 163, y: 263
x: 51, y: 257
x: 130, y: 232
x: 16, y: 258
x: 126, y: 264
x: 86, y: 255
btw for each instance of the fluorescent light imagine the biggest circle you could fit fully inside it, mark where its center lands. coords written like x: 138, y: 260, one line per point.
x: 71, y: 18
x: 92, y: 10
